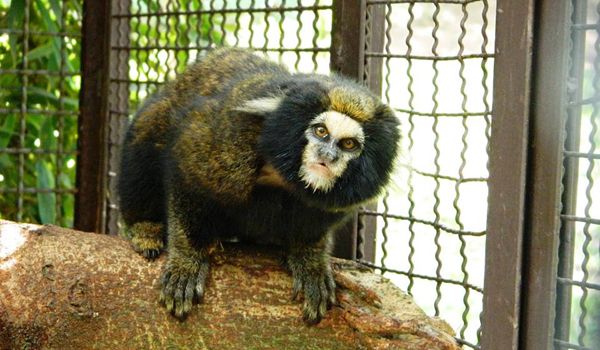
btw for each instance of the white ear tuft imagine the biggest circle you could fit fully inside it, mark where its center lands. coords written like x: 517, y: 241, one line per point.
x: 261, y: 106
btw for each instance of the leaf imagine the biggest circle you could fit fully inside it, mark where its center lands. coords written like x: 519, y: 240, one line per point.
x: 43, y: 96
x: 56, y: 9
x: 44, y: 51
x: 51, y: 26
x: 68, y: 201
x: 46, y: 200
x: 15, y: 15
x: 77, y: 6
x: 46, y: 135
x: 36, y: 95
x: 7, y: 130
x: 6, y: 164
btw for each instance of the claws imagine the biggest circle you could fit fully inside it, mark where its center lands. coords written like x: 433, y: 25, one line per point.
x: 319, y: 295
x: 151, y: 254
x: 181, y: 288
x: 148, y: 248
x: 147, y: 239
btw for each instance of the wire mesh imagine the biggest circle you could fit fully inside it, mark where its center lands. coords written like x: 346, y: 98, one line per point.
x: 437, y: 63
x: 577, y: 324
x: 155, y: 40
x: 433, y: 67
x: 39, y: 87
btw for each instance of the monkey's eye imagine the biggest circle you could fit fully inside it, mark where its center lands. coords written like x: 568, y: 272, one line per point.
x: 321, y: 131
x: 348, y: 144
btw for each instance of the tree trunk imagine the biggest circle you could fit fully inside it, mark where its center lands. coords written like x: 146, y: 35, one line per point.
x: 65, y: 289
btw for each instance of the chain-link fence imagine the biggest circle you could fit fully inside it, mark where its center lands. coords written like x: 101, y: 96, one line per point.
x: 437, y: 64
x: 578, y: 282
x: 432, y: 61
x: 39, y: 87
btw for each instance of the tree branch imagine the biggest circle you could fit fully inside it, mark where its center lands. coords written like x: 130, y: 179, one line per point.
x: 65, y: 289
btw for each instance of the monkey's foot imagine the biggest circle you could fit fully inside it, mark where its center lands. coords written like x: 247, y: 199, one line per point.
x: 183, y: 285
x: 319, y: 292
x: 147, y: 239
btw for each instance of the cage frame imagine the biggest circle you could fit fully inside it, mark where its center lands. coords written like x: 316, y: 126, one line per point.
x: 522, y: 244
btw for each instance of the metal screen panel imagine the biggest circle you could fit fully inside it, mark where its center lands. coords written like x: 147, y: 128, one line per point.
x: 577, y: 324
x: 154, y: 40
x: 39, y: 87
x: 437, y: 64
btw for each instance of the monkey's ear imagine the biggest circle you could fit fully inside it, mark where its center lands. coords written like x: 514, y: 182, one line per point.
x: 261, y: 106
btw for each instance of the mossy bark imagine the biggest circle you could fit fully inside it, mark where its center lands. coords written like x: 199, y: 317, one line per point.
x: 65, y: 289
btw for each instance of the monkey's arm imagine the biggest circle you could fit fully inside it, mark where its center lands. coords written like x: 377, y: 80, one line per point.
x: 184, y: 277
x: 311, y: 271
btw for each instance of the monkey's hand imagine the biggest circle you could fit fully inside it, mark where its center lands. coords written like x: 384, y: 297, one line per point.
x: 183, y: 282
x: 147, y: 239
x: 315, y: 280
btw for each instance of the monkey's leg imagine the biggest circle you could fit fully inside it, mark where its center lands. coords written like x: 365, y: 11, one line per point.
x: 184, y: 277
x: 312, y: 275
x: 147, y: 238
x: 141, y: 197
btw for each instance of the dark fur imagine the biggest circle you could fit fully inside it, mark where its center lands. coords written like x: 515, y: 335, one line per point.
x: 191, y: 160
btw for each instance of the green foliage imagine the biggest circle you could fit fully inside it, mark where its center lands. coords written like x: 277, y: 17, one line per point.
x: 158, y: 65
x: 51, y: 101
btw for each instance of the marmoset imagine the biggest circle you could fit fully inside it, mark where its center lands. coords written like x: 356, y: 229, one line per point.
x: 239, y: 147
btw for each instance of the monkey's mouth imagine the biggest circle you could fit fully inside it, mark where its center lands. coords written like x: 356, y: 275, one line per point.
x: 321, y: 169
x: 318, y: 175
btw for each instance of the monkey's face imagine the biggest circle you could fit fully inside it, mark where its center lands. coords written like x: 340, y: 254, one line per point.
x: 333, y: 140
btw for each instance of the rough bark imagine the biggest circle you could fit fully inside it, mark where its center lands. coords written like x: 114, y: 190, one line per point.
x: 65, y: 289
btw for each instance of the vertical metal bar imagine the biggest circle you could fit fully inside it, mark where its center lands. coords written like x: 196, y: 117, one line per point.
x: 170, y: 72
x: 508, y: 157
x: 119, y: 102
x: 91, y: 175
x: 298, y: 36
x: 374, y: 42
x: 372, y: 76
x: 545, y: 173
x: 23, y: 112
x: 281, y: 31
x: 347, y: 58
x: 571, y: 164
x: 587, y: 310
x: 409, y: 150
x: 366, y: 245
x: 463, y: 164
x: 60, y: 118
x: 267, y: 13
x: 236, y: 31
x: 487, y: 117
x: 348, y: 38
x: 387, y: 30
x: 315, y: 29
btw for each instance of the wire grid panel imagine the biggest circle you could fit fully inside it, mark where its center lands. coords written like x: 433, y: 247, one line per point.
x: 153, y: 40
x: 578, y: 280
x: 437, y: 61
x: 39, y: 87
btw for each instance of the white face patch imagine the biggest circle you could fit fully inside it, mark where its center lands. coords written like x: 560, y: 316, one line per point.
x: 323, y: 159
x: 340, y: 125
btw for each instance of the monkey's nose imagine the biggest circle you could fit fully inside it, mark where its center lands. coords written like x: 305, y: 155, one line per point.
x: 328, y: 155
